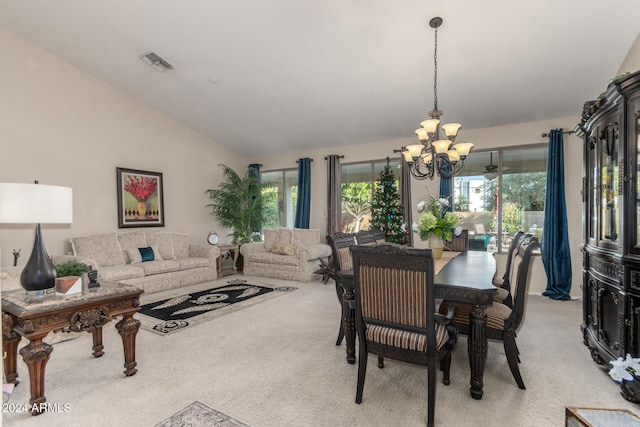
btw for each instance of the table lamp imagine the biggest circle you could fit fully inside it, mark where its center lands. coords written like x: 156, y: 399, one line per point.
x: 36, y: 204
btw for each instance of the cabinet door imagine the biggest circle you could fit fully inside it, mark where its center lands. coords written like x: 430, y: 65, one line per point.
x: 634, y: 172
x: 593, y: 195
x: 610, y: 185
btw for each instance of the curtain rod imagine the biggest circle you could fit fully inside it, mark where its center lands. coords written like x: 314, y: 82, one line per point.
x: 341, y: 156
x: 566, y: 132
x: 298, y: 161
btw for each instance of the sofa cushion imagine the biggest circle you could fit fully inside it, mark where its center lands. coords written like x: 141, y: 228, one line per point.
x: 159, y: 267
x: 270, y: 238
x: 284, y: 236
x: 117, y: 273
x: 193, y: 262
x: 274, y: 259
x: 162, y: 239
x: 131, y: 240
x: 102, y: 248
x: 284, y: 249
x: 302, y: 237
x: 181, y: 244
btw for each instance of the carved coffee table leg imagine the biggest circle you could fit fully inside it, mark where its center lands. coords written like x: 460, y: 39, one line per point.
x: 477, y: 346
x: 36, y: 355
x: 349, y: 324
x: 97, y: 342
x: 128, y: 329
x: 10, y: 342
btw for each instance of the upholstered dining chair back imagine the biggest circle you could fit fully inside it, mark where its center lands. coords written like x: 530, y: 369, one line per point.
x: 396, y: 312
x: 340, y: 254
x: 503, y: 294
x: 458, y: 243
x: 519, y: 278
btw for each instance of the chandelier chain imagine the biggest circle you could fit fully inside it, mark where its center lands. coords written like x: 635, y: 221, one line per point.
x: 435, y: 73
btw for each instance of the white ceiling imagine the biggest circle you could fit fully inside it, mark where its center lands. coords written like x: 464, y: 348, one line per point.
x: 270, y: 76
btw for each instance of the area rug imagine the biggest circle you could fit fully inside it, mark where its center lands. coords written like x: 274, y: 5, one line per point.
x: 200, y: 415
x: 169, y: 315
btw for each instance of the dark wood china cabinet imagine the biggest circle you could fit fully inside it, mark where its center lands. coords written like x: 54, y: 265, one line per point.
x: 610, y: 127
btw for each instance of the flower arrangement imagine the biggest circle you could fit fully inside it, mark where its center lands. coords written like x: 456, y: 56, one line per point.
x: 625, y: 369
x: 436, y: 220
x: 141, y: 187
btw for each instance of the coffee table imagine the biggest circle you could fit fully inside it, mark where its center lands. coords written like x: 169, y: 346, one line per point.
x: 33, y: 317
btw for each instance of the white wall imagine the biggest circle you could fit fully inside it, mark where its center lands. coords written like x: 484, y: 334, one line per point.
x: 64, y: 127
x: 631, y: 62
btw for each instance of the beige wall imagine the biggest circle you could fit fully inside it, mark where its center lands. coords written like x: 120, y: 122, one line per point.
x: 631, y: 62
x: 64, y: 127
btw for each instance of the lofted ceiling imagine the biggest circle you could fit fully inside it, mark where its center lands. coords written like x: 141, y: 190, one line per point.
x: 271, y: 76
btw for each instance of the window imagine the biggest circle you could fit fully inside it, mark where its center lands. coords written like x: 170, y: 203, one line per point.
x: 501, y: 192
x: 280, y: 197
x: 357, y: 192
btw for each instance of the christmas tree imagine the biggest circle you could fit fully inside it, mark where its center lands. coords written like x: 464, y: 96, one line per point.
x: 386, y: 212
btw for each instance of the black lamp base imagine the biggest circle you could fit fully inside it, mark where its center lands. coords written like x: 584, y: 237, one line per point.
x: 39, y: 275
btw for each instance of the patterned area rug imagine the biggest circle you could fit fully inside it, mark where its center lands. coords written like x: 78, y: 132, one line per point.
x: 169, y: 315
x: 200, y: 415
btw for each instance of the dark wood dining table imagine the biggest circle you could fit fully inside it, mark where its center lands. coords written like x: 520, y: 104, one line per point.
x: 467, y: 278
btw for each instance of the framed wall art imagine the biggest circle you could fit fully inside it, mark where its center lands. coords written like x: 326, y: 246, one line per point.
x: 140, y: 198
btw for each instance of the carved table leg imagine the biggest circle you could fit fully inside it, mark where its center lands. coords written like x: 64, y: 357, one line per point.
x: 36, y: 355
x: 477, y: 346
x: 97, y: 342
x: 128, y: 329
x: 10, y: 342
x: 349, y: 321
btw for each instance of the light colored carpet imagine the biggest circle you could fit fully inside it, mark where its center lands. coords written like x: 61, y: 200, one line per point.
x: 275, y: 364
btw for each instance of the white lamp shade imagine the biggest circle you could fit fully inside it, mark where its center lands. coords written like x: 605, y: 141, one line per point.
x: 463, y: 148
x: 35, y: 204
x: 422, y: 134
x: 415, y: 150
x: 441, y: 146
x: 426, y: 158
x: 453, y: 156
x: 451, y: 129
x: 407, y: 156
x: 430, y: 125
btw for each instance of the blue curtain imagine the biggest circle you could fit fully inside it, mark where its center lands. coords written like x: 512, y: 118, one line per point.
x: 254, y: 168
x: 446, y: 189
x: 555, y: 234
x: 303, y: 206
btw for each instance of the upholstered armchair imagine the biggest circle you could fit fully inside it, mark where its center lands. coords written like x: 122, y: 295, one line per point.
x: 396, y: 313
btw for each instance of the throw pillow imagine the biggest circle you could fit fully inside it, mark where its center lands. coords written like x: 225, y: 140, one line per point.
x: 284, y: 249
x: 270, y: 238
x: 136, y: 255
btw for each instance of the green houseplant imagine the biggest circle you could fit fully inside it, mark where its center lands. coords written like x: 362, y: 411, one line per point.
x: 72, y: 268
x: 238, y: 204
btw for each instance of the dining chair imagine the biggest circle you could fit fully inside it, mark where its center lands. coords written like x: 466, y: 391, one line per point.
x: 503, y: 321
x: 396, y: 313
x: 370, y: 237
x: 503, y: 294
x: 340, y: 261
x: 458, y: 243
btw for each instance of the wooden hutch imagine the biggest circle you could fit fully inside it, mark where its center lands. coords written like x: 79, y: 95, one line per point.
x: 610, y: 127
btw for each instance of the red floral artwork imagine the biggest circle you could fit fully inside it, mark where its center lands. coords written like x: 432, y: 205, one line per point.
x: 141, y: 187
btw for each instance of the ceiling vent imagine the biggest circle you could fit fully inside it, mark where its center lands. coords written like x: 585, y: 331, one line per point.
x: 156, y: 61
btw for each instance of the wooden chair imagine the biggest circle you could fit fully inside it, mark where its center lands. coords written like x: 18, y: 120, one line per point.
x: 458, y: 243
x: 503, y: 321
x: 370, y: 237
x: 340, y: 260
x: 396, y: 313
x: 503, y: 295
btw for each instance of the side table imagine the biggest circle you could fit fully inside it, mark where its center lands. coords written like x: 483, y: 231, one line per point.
x: 224, y: 248
x: 33, y: 317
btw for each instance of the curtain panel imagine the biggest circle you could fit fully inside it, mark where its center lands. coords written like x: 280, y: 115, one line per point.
x: 555, y: 234
x: 334, y: 194
x: 405, y: 198
x: 303, y: 206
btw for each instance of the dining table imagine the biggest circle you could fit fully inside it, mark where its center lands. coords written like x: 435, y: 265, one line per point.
x: 465, y: 277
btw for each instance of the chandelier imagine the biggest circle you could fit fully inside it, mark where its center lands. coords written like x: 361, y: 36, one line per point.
x: 437, y: 153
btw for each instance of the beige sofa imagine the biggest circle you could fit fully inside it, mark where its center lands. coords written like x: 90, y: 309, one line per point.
x: 170, y: 260
x: 288, y: 254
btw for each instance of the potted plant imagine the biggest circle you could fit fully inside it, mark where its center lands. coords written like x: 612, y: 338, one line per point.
x: 436, y: 223
x: 72, y: 268
x: 238, y: 204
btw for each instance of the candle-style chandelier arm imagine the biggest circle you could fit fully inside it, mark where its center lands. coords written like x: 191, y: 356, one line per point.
x: 438, y: 152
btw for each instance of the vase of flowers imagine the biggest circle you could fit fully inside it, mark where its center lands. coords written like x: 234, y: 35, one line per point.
x: 626, y: 371
x: 436, y: 223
